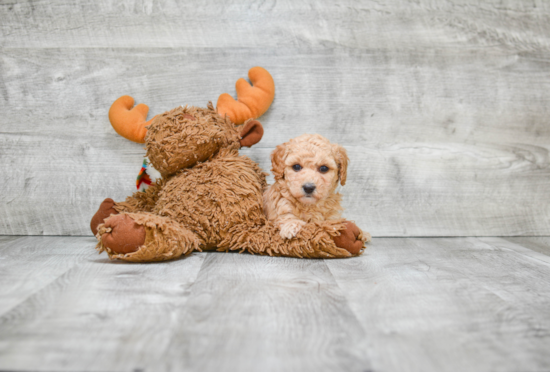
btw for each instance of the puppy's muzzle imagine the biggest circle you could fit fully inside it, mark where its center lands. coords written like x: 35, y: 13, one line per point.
x: 309, y: 188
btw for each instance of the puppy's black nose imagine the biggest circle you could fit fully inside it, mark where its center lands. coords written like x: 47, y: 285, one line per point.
x: 308, y: 188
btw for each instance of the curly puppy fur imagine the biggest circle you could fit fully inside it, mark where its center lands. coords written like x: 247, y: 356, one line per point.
x: 208, y: 198
x: 307, y: 170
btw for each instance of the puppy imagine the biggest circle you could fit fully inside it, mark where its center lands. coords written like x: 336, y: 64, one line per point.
x: 307, y: 170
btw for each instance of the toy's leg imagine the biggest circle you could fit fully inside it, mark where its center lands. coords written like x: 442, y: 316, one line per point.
x: 141, y: 201
x: 314, y: 240
x: 106, y: 208
x: 142, y: 237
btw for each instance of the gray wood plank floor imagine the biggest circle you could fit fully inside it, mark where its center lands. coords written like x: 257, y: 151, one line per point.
x: 407, y: 304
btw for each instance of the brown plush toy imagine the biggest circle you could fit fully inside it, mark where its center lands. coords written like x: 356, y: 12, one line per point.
x: 209, y: 197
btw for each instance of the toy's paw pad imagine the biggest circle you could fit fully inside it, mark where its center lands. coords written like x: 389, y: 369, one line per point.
x: 288, y: 230
x: 122, y: 235
x: 350, y: 238
x: 106, y: 208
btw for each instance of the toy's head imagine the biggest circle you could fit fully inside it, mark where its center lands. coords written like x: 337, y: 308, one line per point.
x: 182, y: 137
x: 185, y: 136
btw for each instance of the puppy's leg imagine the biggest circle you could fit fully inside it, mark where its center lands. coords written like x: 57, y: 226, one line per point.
x: 280, y: 210
x: 289, y: 226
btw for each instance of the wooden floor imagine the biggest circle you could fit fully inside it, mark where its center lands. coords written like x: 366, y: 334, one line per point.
x: 408, y: 304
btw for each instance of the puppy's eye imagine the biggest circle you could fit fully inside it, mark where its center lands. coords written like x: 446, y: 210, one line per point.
x: 297, y: 167
x: 323, y: 169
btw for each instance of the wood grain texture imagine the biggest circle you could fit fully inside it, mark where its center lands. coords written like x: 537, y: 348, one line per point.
x: 29, y: 264
x: 252, y: 24
x: 540, y: 244
x: 282, y: 314
x: 414, y: 304
x: 266, y: 314
x: 95, y: 315
x: 443, y: 107
x: 450, y: 304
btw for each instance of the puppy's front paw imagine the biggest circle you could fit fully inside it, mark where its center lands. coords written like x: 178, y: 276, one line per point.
x: 288, y: 230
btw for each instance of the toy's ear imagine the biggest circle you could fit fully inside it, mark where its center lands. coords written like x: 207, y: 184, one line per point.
x: 251, y: 133
x: 341, y: 157
x: 278, y: 162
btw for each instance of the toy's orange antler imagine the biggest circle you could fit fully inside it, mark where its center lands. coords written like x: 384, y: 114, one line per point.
x: 252, y: 101
x: 127, y: 121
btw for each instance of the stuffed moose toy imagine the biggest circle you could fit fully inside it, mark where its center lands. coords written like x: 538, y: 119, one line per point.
x: 209, y: 197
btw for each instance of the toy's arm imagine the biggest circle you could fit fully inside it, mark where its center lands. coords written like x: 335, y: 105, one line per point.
x: 314, y: 240
x: 141, y: 201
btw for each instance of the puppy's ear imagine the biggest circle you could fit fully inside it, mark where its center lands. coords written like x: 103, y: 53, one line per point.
x: 278, y: 161
x: 341, y: 157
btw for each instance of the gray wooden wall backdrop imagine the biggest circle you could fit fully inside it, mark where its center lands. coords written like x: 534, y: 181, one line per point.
x: 442, y: 105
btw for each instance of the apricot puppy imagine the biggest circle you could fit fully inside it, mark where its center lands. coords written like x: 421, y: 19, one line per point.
x: 307, y: 170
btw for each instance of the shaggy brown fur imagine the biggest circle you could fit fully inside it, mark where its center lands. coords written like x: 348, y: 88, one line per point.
x: 209, y: 197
